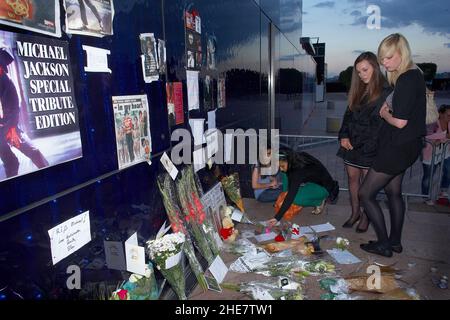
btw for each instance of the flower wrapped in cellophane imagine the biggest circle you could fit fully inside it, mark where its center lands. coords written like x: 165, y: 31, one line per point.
x: 178, y: 224
x: 194, y: 215
x: 232, y: 189
x: 167, y: 252
x: 281, y: 288
x: 139, y: 287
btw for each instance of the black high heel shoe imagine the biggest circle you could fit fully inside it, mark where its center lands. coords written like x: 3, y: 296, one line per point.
x: 349, y: 223
x: 377, y: 248
x: 397, y: 248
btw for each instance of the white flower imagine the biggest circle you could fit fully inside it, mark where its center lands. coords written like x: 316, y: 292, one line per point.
x: 135, y: 278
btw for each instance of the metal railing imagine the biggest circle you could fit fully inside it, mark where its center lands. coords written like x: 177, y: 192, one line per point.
x: 325, y: 148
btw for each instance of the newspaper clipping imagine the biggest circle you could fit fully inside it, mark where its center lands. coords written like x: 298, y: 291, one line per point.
x: 149, y: 57
x: 35, y: 15
x: 131, y: 119
x: 39, y: 125
x: 89, y: 17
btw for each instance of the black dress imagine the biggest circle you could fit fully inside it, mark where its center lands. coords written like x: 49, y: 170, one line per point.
x: 400, y: 148
x: 362, y: 127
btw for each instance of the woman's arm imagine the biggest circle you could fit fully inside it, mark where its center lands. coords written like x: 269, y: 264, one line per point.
x: 295, y: 180
x: 256, y: 185
x: 344, y: 131
x: 385, y: 113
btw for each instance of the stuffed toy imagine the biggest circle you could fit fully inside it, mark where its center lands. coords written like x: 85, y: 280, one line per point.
x: 228, y: 232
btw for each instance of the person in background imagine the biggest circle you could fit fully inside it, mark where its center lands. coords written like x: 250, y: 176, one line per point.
x: 358, y: 135
x: 400, y: 143
x: 308, y: 183
x: 266, y: 188
x: 437, y: 135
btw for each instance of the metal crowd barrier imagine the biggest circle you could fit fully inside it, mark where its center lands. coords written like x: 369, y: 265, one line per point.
x: 325, y: 148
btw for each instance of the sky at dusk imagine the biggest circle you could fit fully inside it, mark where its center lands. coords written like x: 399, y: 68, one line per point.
x: 342, y: 26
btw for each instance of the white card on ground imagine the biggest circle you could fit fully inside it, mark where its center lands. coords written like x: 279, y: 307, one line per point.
x: 135, y: 256
x: 237, y: 215
x: 343, y: 256
x: 97, y: 59
x: 218, y: 269
x: 115, y: 255
x: 169, y: 166
x: 323, y: 227
x: 69, y: 236
x: 173, y: 260
x: 266, y: 237
x: 197, y: 131
x: 305, y: 230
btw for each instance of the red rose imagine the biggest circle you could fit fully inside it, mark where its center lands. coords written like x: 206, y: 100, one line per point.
x: 122, y: 294
x: 225, y: 233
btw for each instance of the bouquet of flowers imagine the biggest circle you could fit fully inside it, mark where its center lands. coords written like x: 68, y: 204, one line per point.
x: 170, y: 200
x: 232, y: 189
x: 268, y: 290
x: 166, y: 252
x: 139, y: 287
x: 194, y: 214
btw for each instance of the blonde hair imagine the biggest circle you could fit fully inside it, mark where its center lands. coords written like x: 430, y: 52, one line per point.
x: 388, y: 47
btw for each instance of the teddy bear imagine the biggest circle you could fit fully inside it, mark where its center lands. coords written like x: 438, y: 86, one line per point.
x: 228, y: 232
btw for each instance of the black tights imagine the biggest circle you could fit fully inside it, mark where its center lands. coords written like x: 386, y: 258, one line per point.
x: 373, y: 183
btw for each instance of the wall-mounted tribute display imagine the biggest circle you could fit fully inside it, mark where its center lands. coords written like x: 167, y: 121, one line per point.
x: 194, y: 55
x: 35, y: 15
x: 89, y: 17
x: 133, y: 140
x: 38, y: 113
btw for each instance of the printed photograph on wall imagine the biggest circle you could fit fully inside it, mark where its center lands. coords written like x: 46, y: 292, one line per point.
x: 89, y: 17
x: 132, y: 125
x: 194, y: 51
x: 208, y: 103
x: 221, y: 93
x: 162, y: 56
x: 175, y: 103
x: 39, y: 124
x: 41, y: 16
x: 211, y: 53
x: 149, y: 57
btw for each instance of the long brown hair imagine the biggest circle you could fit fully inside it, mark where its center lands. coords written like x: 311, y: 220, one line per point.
x: 359, y: 90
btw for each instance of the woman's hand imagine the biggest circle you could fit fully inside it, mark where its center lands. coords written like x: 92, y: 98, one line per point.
x: 274, y: 184
x: 272, y: 222
x: 345, y: 143
x: 385, y: 111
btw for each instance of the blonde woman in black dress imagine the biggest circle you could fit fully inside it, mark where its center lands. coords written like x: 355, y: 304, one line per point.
x: 400, y: 143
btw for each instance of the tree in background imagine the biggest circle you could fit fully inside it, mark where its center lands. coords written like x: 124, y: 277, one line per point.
x: 345, y: 77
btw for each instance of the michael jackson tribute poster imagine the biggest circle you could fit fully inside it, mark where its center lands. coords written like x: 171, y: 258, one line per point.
x: 39, y: 124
